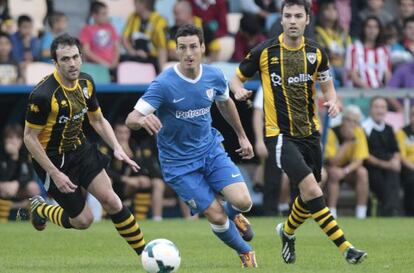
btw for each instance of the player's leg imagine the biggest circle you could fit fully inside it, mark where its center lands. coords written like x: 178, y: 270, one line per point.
x: 362, y: 192
x: 8, y: 190
x: 158, y: 189
x: 334, y: 179
x: 124, y: 221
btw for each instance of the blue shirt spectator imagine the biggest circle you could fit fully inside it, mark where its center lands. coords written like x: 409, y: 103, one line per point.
x: 26, y: 47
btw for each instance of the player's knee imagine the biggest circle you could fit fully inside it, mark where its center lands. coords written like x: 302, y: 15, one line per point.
x: 244, y: 204
x: 216, y: 215
x: 32, y: 189
x: 111, y: 203
x: 82, y: 221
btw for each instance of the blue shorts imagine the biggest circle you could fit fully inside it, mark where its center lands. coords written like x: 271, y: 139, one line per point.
x: 198, y: 182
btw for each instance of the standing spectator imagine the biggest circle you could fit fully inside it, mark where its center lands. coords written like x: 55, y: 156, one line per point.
x: 368, y: 61
x: 16, y: 172
x: 332, y: 37
x: 248, y: 36
x: 144, y: 36
x: 183, y: 15
x: 26, y: 47
x: 58, y: 24
x: 346, y: 150
x: 99, y: 40
x: 405, y: 138
x: 9, y: 68
x: 213, y: 13
x: 374, y: 8
x: 383, y: 163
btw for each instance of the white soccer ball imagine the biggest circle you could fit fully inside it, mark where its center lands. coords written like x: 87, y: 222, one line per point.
x: 161, y: 256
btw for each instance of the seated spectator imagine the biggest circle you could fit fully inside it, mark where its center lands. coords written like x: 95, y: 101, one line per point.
x: 99, y: 39
x: 6, y: 22
x: 266, y: 10
x: 401, y: 78
x: 368, y: 61
x: 183, y: 15
x: 408, y: 39
x: 16, y: 173
x: 383, y: 163
x: 406, y: 9
x: 9, y: 69
x: 248, y: 36
x: 405, y: 138
x: 58, y: 24
x: 330, y: 35
x: 76, y: 10
x: 26, y: 47
x: 398, y: 53
x: 214, y: 15
x: 345, y: 7
x: 144, y: 36
x: 346, y: 149
x: 374, y: 8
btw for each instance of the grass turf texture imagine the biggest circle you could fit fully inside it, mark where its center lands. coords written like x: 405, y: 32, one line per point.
x: 389, y: 242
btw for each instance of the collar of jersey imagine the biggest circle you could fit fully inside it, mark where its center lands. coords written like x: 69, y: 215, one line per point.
x: 302, y: 43
x: 186, y: 78
x: 57, y: 77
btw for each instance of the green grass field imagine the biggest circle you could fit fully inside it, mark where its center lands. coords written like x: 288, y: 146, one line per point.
x: 389, y: 242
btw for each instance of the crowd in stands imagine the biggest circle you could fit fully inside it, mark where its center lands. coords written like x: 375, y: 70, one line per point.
x: 370, y: 45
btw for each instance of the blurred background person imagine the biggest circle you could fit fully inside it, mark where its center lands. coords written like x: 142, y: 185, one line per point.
x: 346, y: 149
x: 213, y: 13
x: 383, y: 163
x: 9, y: 68
x: 58, y: 24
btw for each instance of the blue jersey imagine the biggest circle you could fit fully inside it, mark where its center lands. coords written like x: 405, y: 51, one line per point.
x: 183, y: 107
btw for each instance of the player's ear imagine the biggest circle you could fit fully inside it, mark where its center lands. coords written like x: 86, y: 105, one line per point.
x: 307, y: 19
x: 203, y: 48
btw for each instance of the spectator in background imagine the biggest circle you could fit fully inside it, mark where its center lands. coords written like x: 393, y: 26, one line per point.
x: 213, y: 13
x: 266, y: 10
x: 346, y: 149
x: 6, y: 22
x: 405, y: 138
x: 26, y: 47
x: 76, y: 10
x: 406, y: 9
x: 99, y: 39
x: 9, y: 68
x: 345, y: 7
x: 16, y: 172
x: 401, y: 78
x: 330, y: 35
x: 144, y: 36
x: 383, y: 163
x: 368, y: 61
x: 398, y: 53
x: 58, y: 24
x: 408, y: 40
x: 183, y: 15
x: 248, y: 36
x: 374, y: 8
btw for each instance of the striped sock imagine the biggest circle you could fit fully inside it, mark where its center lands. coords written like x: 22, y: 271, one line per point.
x: 129, y: 229
x: 142, y: 204
x: 322, y: 215
x: 297, y: 216
x: 56, y: 215
x: 5, y: 207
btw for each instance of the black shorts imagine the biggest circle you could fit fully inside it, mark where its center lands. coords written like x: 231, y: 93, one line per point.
x: 81, y: 166
x: 297, y: 157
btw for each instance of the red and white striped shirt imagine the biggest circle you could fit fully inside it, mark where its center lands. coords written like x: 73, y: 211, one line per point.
x: 372, y: 64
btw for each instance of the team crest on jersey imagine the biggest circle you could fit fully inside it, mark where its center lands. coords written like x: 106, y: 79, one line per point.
x: 34, y: 108
x: 85, y: 92
x: 311, y: 57
x: 210, y: 93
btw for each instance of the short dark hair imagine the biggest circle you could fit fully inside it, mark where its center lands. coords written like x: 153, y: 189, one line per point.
x: 65, y: 40
x: 190, y: 30
x: 149, y: 4
x: 407, y: 20
x: 250, y: 24
x: 304, y: 3
x: 54, y: 17
x: 24, y: 19
x: 13, y: 130
x: 97, y: 6
x: 5, y: 35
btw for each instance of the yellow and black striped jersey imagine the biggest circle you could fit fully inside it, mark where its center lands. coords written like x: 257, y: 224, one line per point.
x: 59, y: 112
x: 288, y: 78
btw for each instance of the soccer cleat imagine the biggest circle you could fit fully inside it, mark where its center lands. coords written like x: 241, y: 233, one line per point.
x: 288, y: 245
x: 38, y: 222
x: 244, y: 227
x: 248, y: 259
x: 354, y: 256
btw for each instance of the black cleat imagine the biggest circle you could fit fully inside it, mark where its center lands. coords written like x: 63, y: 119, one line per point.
x: 354, y: 256
x: 288, y: 245
x: 38, y: 222
x: 244, y: 227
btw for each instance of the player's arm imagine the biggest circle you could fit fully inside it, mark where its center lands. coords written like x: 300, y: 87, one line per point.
x: 33, y: 145
x: 143, y: 117
x: 228, y: 110
x: 104, y: 129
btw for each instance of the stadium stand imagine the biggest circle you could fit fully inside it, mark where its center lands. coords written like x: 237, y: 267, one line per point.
x: 135, y: 73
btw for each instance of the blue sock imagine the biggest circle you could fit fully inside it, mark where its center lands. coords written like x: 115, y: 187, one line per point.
x: 230, y: 211
x: 229, y: 234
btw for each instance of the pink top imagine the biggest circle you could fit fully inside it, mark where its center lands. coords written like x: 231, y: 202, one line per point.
x: 101, y: 39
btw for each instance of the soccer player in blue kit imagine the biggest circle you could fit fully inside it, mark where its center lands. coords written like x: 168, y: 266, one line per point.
x: 192, y: 159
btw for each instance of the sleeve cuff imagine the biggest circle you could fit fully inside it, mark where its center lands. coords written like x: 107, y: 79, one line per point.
x: 144, y: 107
x: 225, y: 96
x: 34, y: 126
x: 240, y: 75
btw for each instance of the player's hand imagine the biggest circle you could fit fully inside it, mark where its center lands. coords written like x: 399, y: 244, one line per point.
x: 242, y: 94
x: 246, y: 149
x: 261, y: 150
x: 63, y: 182
x: 333, y: 107
x: 121, y: 155
x: 151, y: 124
